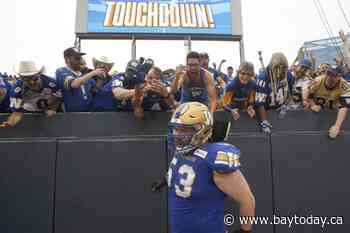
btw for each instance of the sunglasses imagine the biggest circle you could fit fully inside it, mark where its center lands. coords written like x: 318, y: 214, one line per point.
x: 246, y: 73
x: 31, y: 78
x: 103, y: 66
x: 192, y: 65
x: 75, y: 58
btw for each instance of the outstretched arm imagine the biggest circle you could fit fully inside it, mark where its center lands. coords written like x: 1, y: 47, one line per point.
x: 235, y: 185
x: 13, y: 120
x: 78, y: 82
x: 220, y: 65
x: 177, y: 83
x: 211, y: 91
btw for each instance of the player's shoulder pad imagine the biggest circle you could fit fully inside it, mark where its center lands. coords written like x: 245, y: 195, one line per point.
x: 220, y: 157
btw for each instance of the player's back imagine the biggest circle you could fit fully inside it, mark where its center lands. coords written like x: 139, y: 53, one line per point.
x: 196, y: 203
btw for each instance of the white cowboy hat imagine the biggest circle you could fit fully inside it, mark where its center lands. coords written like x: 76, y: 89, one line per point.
x: 28, y: 68
x: 102, y: 60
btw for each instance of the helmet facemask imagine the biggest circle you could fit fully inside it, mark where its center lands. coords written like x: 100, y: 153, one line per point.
x: 190, y: 127
x: 185, y: 139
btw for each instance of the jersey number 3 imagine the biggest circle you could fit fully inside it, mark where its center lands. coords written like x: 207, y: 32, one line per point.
x: 184, y: 187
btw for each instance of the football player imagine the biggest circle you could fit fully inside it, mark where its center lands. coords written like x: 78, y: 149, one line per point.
x: 332, y: 91
x: 201, y: 174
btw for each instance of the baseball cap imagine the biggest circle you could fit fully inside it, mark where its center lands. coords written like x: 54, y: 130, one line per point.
x: 305, y: 63
x: 72, y: 51
x: 335, y: 71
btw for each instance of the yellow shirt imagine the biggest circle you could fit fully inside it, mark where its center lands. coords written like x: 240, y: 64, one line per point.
x: 330, y: 98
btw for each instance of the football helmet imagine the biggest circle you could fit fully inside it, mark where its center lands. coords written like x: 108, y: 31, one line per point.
x: 190, y: 127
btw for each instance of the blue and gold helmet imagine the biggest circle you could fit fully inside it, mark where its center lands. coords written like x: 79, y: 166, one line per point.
x: 191, y: 126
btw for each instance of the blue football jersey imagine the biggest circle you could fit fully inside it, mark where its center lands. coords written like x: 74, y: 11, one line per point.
x: 6, y: 87
x: 24, y: 99
x: 74, y: 99
x: 118, y: 82
x: 103, y: 99
x: 196, y: 203
x: 265, y: 95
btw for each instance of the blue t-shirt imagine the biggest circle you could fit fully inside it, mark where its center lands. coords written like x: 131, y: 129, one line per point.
x: 238, y: 95
x: 6, y: 87
x: 196, y: 203
x: 74, y: 99
x: 24, y: 99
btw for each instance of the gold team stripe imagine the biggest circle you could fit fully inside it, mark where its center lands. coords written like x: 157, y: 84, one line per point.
x: 228, y: 159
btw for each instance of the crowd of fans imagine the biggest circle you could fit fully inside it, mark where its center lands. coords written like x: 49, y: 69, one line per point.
x: 145, y: 87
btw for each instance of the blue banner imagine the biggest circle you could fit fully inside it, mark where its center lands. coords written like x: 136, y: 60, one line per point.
x: 160, y: 17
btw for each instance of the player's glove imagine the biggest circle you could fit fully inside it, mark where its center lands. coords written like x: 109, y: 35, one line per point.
x: 282, y: 111
x: 265, y: 126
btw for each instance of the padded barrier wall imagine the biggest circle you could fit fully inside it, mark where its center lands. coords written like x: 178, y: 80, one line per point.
x: 27, y: 186
x: 93, y: 173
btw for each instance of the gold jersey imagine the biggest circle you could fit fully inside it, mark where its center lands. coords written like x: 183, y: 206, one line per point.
x: 339, y: 96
